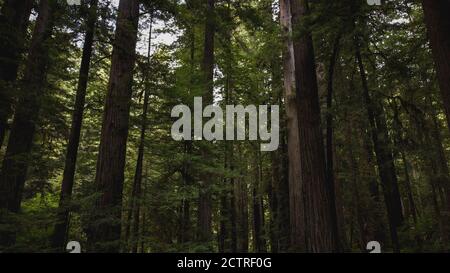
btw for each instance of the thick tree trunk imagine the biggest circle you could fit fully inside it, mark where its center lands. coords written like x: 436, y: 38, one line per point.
x: 61, y: 228
x: 227, y: 236
x: 111, y: 159
x: 205, y: 202
x: 315, y: 234
x: 384, y: 156
x: 230, y: 147
x: 185, y: 227
x: 438, y: 25
x: 14, y: 17
x: 15, y: 163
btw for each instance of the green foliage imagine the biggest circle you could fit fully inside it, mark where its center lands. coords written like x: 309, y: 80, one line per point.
x: 248, y: 70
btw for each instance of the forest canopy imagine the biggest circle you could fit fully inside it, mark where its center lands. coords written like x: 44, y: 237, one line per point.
x: 354, y: 99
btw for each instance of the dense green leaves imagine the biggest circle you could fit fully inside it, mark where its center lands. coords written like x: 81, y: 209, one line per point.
x: 401, y: 78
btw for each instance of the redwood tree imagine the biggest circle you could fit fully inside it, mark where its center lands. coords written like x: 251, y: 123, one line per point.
x: 293, y: 150
x: 204, y: 202
x: 109, y: 179
x: 315, y: 232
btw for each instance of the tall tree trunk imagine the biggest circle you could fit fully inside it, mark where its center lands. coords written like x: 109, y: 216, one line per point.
x: 205, y: 202
x: 278, y: 189
x: 358, y: 210
x: 111, y: 159
x: 442, y: 167
x: 61, y: 228
x: 378, y: 231
x: 295, y: 190
x: 137, y: 183
x: 384, y: 156
x: 316, y: 234
x: 185, y: 227
x: 331, y: 184
x: 15, y: 163
x: 230, y: 147
x: 14, y: 17
x: 357, y: 204
x: 438, y: 25
x: 227, y: 236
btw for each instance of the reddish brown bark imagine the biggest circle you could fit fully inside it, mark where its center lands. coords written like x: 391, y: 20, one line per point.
x: 109, y: 178
x: 205, y: 203
x: 316, y: 235
x: 295, y: 190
